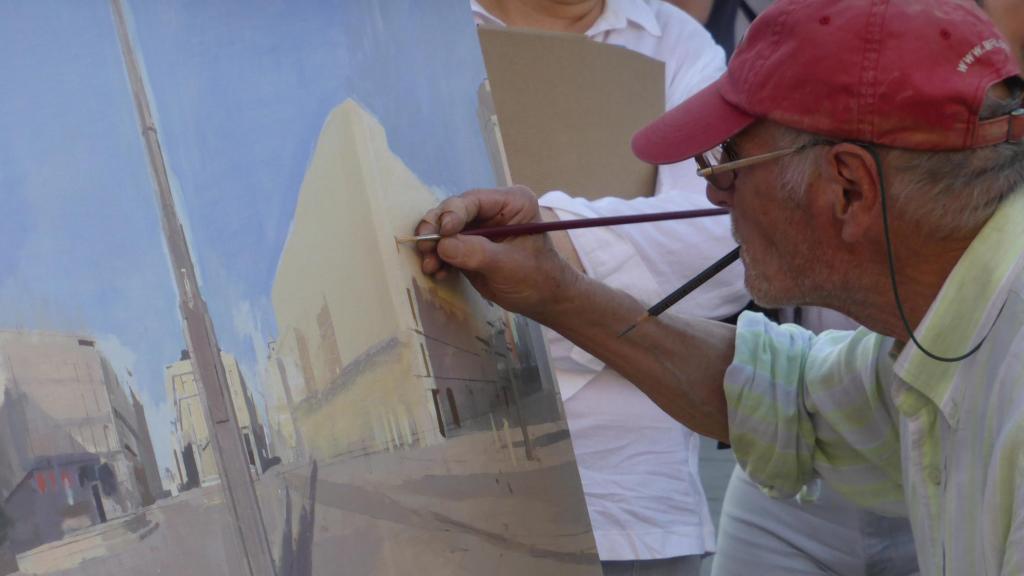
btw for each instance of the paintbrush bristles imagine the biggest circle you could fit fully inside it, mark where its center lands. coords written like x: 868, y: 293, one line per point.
x: 633, y: 326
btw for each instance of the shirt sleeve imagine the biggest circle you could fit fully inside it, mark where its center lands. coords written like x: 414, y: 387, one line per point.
x: 696, y: 60
x: 1013, y: 558
x: 669, y: 252
x: 803, y: 406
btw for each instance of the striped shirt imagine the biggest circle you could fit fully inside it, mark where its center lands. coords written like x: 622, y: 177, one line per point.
x: 894, y: 430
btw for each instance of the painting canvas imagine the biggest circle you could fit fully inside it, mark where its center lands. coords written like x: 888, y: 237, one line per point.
x: 214, y: 357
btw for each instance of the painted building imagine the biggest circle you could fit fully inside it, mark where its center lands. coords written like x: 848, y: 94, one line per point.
x: 281, y: 376
x: 195, y: 461
x: 70, y: 449
x: 375, y: 356
x: 147, y: 453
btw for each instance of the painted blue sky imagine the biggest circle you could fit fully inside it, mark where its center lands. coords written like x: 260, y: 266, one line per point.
x: 240, y: 89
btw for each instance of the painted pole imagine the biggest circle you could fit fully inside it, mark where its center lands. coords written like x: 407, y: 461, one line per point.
x: 229, y: 449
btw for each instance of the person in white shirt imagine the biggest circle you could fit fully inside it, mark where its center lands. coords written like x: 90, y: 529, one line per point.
x: 638, y: 465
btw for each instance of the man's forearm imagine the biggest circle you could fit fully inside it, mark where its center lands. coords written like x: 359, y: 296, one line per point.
x: 561, y: 241
x: 679, y: 365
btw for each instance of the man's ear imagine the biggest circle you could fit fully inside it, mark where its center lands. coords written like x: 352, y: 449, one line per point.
x: 853, y: 175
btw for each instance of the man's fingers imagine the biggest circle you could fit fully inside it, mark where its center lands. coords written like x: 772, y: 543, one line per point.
x: 431, y: 264
x: 481, y: 207
x: 501, y: 207
x: 453, y: 219
x: 487, y: 207
x: 472, y: 253
x: 477, y: 208
x: 452, y: 215
x: 427, y: 225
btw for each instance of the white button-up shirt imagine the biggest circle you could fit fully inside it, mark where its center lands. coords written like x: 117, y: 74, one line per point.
x: 893, y: 429
x: 637, y: 464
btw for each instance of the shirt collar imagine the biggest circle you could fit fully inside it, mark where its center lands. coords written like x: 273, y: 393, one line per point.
x: 617, y: 15
x: 966, y: 307
x: 483, y: 16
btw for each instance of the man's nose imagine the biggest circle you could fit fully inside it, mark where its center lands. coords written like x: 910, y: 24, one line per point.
x: 720, y: 198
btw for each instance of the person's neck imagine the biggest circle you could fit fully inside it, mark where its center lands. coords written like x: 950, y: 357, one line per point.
x: 922, y: 268
x: 575, y: 16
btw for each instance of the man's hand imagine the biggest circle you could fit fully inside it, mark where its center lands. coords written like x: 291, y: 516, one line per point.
x: 679, y: 366
x: 523, y: 274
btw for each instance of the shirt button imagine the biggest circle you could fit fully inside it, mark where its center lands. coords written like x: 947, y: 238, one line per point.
x: 934, y: 476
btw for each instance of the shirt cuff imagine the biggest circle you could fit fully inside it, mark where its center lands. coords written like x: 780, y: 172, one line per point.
x: 770, y: 430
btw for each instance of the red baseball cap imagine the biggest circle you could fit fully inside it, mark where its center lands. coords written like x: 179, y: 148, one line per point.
x: 899, y: 73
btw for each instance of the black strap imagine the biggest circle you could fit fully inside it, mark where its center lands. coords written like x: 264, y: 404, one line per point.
x: 748, y: 12
x: 722, y: 24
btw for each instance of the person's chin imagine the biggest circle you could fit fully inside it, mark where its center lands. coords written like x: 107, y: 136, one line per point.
x: 769, y: 300
x: 764, y: 293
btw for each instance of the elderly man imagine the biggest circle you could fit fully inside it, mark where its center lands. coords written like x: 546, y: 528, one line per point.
x: 872, y: 158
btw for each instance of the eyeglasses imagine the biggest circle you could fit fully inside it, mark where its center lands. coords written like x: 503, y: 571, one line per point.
x: 718, y: 165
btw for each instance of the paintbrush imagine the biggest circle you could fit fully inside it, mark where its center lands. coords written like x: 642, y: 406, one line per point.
x: 681, y: 292
x: 542, y: 227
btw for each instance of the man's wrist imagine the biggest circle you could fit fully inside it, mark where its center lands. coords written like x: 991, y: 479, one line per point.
x: 582, y: 307
x: 566, y: 295
x: 561, y: 240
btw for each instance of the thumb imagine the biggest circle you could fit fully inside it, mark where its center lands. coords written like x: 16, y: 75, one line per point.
x: 471, y: 253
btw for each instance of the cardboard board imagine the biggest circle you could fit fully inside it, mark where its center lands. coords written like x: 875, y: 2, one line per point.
x: 568, y: 107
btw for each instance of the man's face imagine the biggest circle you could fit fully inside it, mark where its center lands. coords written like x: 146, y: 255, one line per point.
x: 785, y: 258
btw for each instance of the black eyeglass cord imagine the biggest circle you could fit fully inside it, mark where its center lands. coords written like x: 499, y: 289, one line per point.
x: 892, y: 273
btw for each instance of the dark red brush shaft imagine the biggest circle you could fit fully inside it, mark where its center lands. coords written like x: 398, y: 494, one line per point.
x: 541, y: 227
